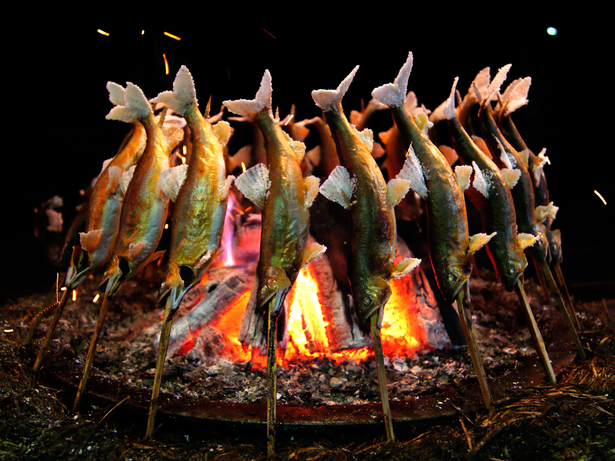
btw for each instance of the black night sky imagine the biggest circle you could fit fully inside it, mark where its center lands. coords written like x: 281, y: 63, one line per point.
x: 56, y: 66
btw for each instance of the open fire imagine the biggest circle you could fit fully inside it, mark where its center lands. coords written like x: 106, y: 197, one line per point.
x: 317, y: 322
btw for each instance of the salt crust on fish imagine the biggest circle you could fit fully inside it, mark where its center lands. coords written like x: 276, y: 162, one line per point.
x: 135, y: 105
x: 172, y: 179
x: 394, y: 94
x: 183, y: 94
x: 462, y: 173
x: 339, y: 187
x: 515, y: 95
x: 251, y: 107
x: 327, y: 99
x: 254, y: 184
x: 413, y: 172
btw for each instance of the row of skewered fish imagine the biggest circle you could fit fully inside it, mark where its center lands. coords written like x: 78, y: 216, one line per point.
x: 130, y: 203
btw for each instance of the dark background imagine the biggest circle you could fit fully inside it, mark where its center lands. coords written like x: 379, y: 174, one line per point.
x: 56, y: 67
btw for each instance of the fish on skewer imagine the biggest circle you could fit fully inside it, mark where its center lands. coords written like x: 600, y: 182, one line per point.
x: 284, y: 196
x: 102, y: 219
x: 144, y: 209
x: 506, y: 156
x: 200, y: 202
x: 492, y: 196
x: 450, y: 245
x: 513, y: 98
x: 357, y: 184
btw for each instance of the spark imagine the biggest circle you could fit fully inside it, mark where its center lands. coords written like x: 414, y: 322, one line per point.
x: 10, y: 330
x: 267, y: 32
x: 74, y: 295
x: 166, y: 64
x: 166, y: 226
x: 289, y: 119
x: 96, y: 298
x: 243, y: 167
x: 102, y: 32
x: 170, y: 35
x: 600, y: 196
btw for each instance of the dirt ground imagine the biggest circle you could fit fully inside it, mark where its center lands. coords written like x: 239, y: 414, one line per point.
x: 572, y: 420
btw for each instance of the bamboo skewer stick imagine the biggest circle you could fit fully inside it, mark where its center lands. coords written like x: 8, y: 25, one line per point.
x: 564, y: 289
x: 536, y: 335
x: 52, y: 326
x: 382, y: 381
x: 272, y: 366
x: 468, y: 332
x: 91, y: 351
x: 548, y: 276
x: 163, y: 346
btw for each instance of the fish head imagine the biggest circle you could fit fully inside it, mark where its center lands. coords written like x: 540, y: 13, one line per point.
x: 512, y: 268
x: 370, y: 294
x: 454, y: 274
x: 273, y: 286
x: 179, y: 279
x: 540, y: 249
x: 115, y: 274
x: 555, y: 245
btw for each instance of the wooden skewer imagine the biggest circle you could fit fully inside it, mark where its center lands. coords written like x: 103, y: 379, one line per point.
x: 562, y: 307
x: 272, y: 366
x: 536, y: 335
x: 92, y: 350
x: 564, y: 290
x: 468, y: 333
x: 382, y: 381
x: 52, y: 326
x: 163, y: 346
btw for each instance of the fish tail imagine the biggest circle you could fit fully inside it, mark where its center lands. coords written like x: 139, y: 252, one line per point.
x: 252, y: 107
x: 489, y: 93
x: 448, y: 107
x: 183, y: 94
x: 394, y: 94
x: 327, y: 99
x: 130, y: 103
x: 515, y: 95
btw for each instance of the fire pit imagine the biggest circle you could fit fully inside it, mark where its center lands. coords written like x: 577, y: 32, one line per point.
x: 210, y: 376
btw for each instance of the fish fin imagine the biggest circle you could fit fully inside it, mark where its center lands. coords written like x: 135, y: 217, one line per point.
x: 89, y: 240
x: 477, y: 241
x: 515, y: 95
x: 404, y: 267
x: 506, y: 159
x: 413, y: 172
x: 183, y: 94
x: 545, y: 212
x: 482, y: 145
x: 339, y: 187
x: 314, y: 155
x: 526, y: 240
x: 385, y: 136
x: 397, y: 188
x: 355, y: 117
x: 208, y: 258
x: 541, y: 161
x: 463, y: 173
x: 449, y: 153
x: 394, y: 94
x: 511, y: 176
x: 313, y: 251
x: 448, y: 106
x: 480, y: 183
x: 297, y: 147
x: 377, y: 150
x: 115, y: 174
x: 241, y: 157
x: 367, y: 137
x: 222, y: 130
x: 126, y: 178
x: 134, y: 249
x: 525, y: 156
x: 327, y: 99
x: 479, y: 84
x: 254, y: 184
x: 494, y: 87
x: 172, y: 179
x: 135, y: 107
x: 312, y: 184
x: 252, y: 107
x: 226, y: 187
